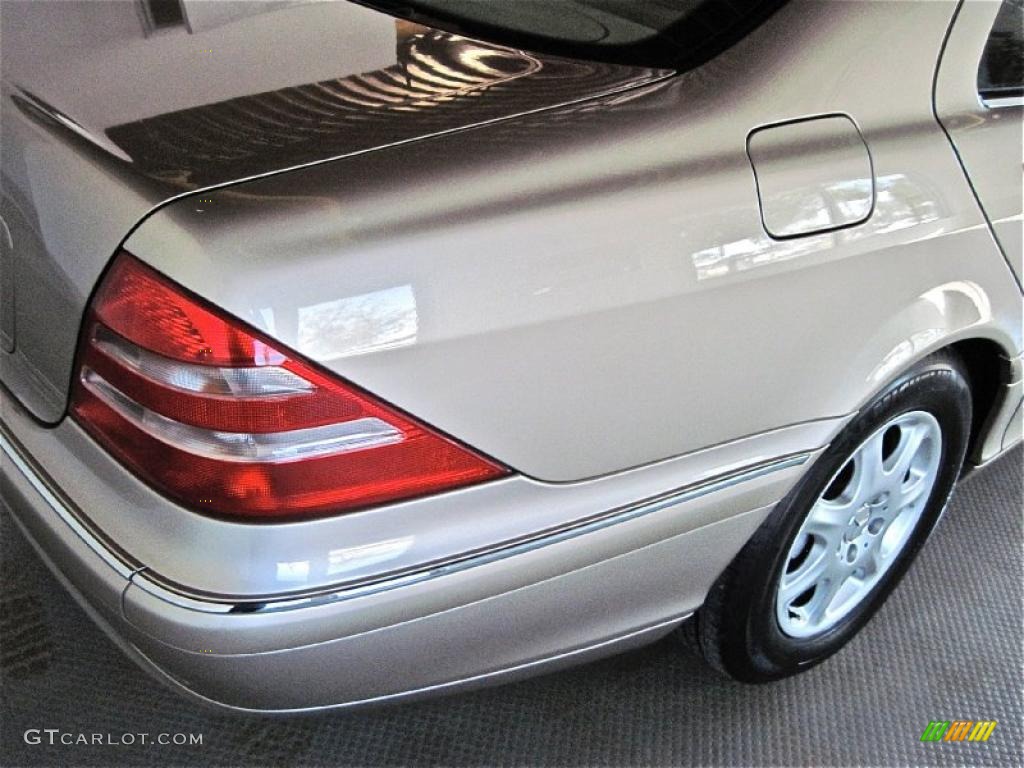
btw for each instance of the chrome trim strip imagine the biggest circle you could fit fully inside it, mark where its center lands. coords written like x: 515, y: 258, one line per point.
x: 614, y: 517
x: 999, y: 102
x: 139, y: 577
x: 61, y: 509
x: 667, y: 624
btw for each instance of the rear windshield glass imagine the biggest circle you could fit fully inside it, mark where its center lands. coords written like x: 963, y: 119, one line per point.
x: 674, y: 34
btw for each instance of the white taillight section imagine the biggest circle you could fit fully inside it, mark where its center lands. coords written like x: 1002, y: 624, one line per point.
x: 294, y: 444
x: 251, y: 381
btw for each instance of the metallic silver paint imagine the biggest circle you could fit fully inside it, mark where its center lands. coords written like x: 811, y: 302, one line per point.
x: 576, y: 248
x: 630, y: 640
x: 229, y: 561
x: 662, y: 563
x: 99, y: 128
x: 581, y: 285
x: 987, y: 137
x: 1012, y: 436
x: 834, y: 186
x: 595, y: 523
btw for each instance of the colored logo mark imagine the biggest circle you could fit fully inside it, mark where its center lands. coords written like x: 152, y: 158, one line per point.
x: 958, y: 730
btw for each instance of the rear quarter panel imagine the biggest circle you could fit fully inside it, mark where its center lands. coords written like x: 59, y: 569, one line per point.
x: 588, y: 289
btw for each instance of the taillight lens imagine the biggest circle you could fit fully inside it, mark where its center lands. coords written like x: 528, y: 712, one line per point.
x: 223, y: 420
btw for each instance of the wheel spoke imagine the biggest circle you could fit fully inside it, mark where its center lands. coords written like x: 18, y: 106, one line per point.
x: 869, y: 476
x: 828, y: 519
x: 805, y: 577
x: 872, y: 560
x: 830, y: 589
x: 911, y: 438
x: 914, y: 489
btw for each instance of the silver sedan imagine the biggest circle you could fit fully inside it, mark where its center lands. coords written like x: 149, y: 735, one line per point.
x: 355, y: 352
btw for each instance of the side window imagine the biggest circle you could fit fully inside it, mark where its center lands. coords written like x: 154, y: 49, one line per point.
x: 1001, y: 74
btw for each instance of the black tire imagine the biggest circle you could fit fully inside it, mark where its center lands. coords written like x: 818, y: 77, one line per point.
x: 737, y: 628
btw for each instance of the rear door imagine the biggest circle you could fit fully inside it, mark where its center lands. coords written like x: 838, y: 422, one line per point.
x: 980, y: 102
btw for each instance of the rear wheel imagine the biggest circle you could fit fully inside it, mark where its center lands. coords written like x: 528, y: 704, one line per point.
x: 833, y: 549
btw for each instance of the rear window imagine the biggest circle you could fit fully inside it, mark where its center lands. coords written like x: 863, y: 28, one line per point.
x: 674, y: 34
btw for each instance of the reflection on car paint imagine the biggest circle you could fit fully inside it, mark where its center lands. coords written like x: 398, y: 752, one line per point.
x: 434, y: 75
x: 900, y: 204
x: 355, y: 325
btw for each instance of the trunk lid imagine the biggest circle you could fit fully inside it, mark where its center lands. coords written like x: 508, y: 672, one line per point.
x: 111, y: 110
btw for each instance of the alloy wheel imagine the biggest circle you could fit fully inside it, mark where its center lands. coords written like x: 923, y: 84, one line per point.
x: 858, y: 526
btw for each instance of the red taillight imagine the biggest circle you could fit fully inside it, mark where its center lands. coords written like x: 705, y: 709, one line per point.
x: 219, y: 418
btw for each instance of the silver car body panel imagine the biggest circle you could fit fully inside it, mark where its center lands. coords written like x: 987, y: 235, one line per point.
x: 227, y: 561
x: 610, y: 586
x: 836, y: 161
x: 94, y: 109
x: 579, y: 248
x: 987, y: 136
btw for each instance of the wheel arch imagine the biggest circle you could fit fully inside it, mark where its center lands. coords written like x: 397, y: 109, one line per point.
x: 957, y: 317
x: 990, y: 368
x: 988, y: 371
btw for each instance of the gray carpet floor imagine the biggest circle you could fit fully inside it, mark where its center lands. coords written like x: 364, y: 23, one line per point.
x: 948, y: 645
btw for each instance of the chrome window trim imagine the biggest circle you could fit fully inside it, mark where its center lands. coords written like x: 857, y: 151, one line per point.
x: 1001, y: 102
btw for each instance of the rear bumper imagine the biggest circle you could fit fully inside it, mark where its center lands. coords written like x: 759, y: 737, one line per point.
x: 619, y: 580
